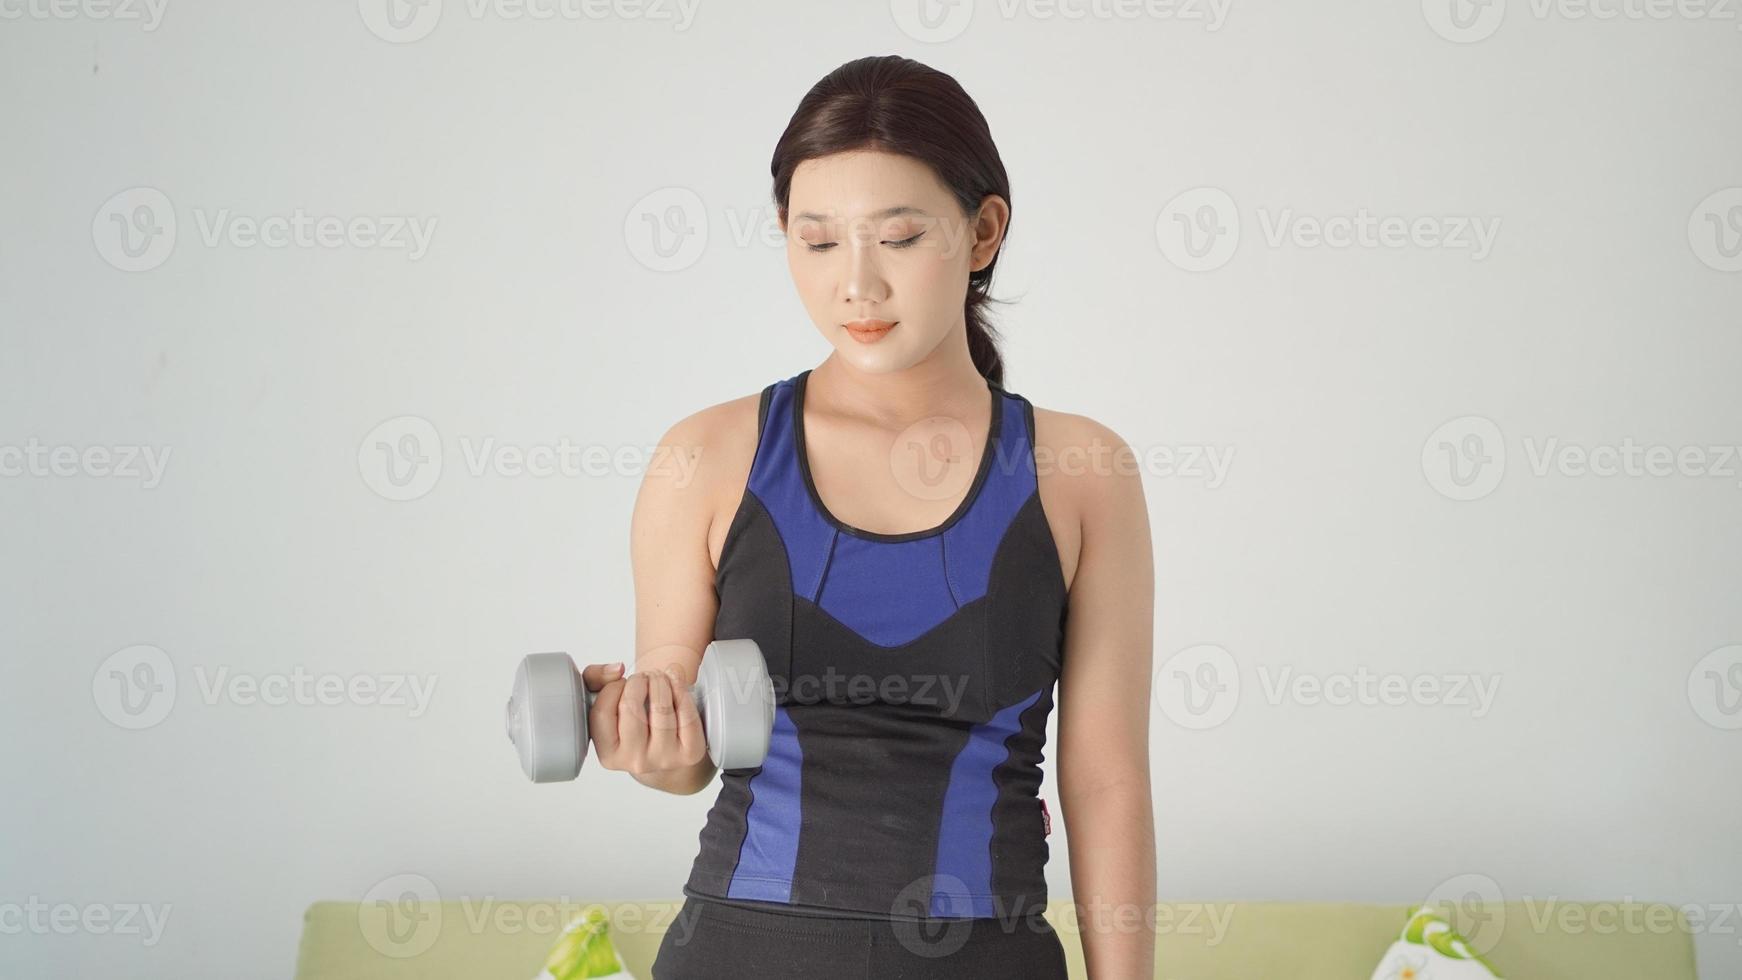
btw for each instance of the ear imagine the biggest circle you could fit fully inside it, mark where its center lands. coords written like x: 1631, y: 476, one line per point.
x: 987, y: 228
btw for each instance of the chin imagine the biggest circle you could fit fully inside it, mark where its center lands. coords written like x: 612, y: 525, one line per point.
x: 881, y: 361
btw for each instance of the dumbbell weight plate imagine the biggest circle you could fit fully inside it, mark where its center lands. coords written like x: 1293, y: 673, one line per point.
x: 547, y: 717
x: 736, y: 699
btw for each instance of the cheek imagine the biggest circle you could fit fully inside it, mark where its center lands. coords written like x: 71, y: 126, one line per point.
x: 810, y: 277
x: 935, y: 283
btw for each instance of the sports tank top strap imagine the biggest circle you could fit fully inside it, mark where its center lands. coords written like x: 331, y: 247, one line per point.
x: 778, y: 483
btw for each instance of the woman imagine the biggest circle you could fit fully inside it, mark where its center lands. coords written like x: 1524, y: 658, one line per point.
x: 889, y: 529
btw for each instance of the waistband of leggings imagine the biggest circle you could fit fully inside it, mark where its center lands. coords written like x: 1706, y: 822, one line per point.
x: 786, y: 923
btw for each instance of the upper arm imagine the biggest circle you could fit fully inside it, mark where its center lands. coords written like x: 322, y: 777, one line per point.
x: 675, y: 602
x: 1104, y: 685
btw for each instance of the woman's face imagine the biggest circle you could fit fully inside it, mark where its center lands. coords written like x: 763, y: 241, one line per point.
x: 874, y: 239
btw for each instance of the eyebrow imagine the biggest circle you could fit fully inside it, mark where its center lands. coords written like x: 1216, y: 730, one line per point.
x: 899, y: 209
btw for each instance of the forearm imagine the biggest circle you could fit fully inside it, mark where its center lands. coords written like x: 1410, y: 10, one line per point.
x: 682, y: 782
x: 1112, y: 847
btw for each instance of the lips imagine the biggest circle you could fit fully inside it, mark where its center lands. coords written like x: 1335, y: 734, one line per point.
x: 869, y: 331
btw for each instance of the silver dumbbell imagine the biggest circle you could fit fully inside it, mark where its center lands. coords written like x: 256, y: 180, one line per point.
x: 547, y: 713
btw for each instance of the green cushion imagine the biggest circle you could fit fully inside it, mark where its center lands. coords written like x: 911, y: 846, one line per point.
x: 1195, y: 941
x: 1428, y: 945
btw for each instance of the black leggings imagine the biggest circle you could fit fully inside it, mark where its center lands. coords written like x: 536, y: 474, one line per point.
x: 710, y: 940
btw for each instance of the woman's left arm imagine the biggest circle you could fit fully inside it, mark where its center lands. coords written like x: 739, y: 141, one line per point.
x: 1104, y: 706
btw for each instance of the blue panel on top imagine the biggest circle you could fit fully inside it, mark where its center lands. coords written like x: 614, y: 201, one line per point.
x: 770, y: 852
x: 962, y: 886
x: 889, y: 592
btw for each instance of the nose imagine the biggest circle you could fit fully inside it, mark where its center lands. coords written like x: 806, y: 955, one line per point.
x: 864, y: 281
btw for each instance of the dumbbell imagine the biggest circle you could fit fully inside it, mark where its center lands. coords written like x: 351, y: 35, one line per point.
x: 548, y: 711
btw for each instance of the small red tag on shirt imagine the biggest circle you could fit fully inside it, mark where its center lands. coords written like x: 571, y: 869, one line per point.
x: 1045, y: 819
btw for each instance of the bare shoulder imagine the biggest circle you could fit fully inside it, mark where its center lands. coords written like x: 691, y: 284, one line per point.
x: 702, y: 463
x: 1078, y: 460
x: 1067, y: 428
x: 1086, y: 460
x: 717, y: 435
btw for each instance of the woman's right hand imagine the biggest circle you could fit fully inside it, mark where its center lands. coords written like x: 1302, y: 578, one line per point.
x: 645, y: 722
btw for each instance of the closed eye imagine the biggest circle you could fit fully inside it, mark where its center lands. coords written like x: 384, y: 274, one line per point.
x: 903, y: 243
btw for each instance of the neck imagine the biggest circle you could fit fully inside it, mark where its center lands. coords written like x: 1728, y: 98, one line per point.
x: 944, y: 383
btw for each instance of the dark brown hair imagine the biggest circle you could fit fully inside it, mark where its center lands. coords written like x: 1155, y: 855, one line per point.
x: 899, y: 105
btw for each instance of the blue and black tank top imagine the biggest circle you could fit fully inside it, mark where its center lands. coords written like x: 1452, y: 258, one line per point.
x: 913, y: 678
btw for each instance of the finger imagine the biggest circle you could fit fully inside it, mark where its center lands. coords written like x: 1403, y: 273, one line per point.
x: 602, y: 719
x: 692, y: 739
x: 661, y: 719
x: 632, y: 717
x: 596, y: 676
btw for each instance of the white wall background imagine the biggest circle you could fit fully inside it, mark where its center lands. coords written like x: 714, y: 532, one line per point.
x: 1605, y: 312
